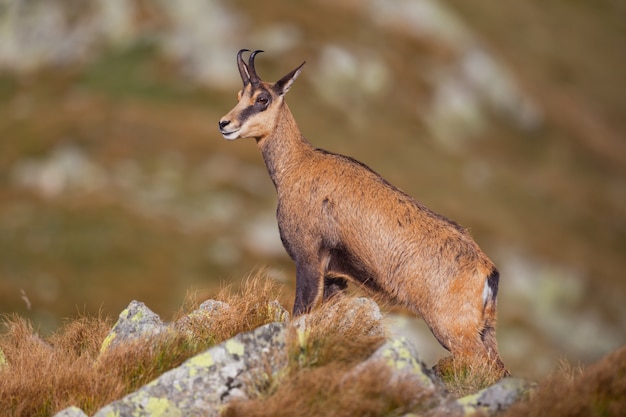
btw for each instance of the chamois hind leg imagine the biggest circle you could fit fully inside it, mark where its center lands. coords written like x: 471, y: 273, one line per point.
x: 309, y: 286
x: 466, y: 326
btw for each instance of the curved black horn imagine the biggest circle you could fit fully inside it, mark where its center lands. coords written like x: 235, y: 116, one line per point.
x: 243, y: 68
x: 254, y: 78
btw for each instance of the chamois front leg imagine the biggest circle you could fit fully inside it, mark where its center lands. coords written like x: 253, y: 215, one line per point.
x: 309, y: 286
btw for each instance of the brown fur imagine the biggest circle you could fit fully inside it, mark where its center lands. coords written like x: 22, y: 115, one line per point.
x: 339, y: 221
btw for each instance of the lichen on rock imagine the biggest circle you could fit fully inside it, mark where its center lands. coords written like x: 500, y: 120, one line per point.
x: 134, y: 322
x: 71, y: 412
x: 401, y: 356
x: 497, y: 397
x: 204, y: 383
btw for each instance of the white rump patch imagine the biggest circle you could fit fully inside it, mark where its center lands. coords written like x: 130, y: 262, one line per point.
x: 487, y: 293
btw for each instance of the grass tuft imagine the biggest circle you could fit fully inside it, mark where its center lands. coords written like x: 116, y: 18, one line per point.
x: 462, y: 377
x: 320, y: 378
x: 599, y: 390
x: 334, y: 390
x: 44, y: 376
x: 337, y: 332
x: 253, y: 305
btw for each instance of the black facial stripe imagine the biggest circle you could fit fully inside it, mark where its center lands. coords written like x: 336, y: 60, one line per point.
x: 257, y: 107
x: 247, y: 112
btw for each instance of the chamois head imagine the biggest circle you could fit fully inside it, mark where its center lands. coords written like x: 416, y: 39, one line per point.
x: 259, y: 102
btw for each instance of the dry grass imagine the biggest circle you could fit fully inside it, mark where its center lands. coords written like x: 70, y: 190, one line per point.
x: 336, y: 332
x: 334, y: 390
x: 44, y: 376
x: 322, y: 378
x: 462, y: 377
x: 252, y: 305
x: 325, y: 373
x: 599, y: 390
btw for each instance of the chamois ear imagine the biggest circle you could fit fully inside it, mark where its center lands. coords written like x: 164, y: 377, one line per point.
x: 284, y: 84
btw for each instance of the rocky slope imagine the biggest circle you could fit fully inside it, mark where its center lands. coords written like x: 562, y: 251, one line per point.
x: 231, y: 372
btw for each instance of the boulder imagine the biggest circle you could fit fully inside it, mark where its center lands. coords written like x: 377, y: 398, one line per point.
x: 496, y: 398
x: 204, y: 383
x: 400, y: 355
x: 490, y: 401
x: 136, y: 321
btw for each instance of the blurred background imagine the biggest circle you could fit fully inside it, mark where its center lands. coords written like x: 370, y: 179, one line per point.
x: 509, y: 117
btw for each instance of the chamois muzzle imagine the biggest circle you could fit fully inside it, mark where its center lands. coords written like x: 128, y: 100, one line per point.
x: 228, y: 133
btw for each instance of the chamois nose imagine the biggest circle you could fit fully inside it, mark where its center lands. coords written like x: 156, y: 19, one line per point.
x: 223, y: 123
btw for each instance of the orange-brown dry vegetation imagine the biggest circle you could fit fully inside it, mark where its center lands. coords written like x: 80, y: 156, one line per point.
x: 598, y: 390
x: 324, y: 375
x: 45, y: 375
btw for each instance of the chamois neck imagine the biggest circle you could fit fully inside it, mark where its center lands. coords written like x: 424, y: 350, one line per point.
x: 285, y: 147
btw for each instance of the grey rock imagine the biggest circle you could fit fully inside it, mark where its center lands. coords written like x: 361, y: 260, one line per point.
x: 135, y: 322
x: 210, y: 309
x: 71, y: 412
x: 497, y: 397
x: 204, y: 383
x: 213, y: 306
x: 490, y: 401
x: 401, y: 356
x: 278, y: 312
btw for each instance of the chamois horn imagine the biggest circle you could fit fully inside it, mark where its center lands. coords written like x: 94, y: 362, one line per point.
x: 254, y: 78
x: 243, y: 68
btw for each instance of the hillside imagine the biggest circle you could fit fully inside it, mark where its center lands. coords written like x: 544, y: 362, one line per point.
x: 116, y: 184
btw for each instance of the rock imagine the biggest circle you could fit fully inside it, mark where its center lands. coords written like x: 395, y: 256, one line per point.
x: 209, y: 309
x: 71, y: 412
x: 403, y: 360
x: 213, y: 306
x: 136, y: 321
x: 495, y: 398
x: 487, y: 402
x: 277, y: 311
x: 204, y: 383
x: 400, y: 355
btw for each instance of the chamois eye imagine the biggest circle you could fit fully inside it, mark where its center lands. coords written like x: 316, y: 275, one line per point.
x: 262, y: 100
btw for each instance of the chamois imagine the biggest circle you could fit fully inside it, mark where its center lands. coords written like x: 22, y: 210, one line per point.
x: 339, y: 220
